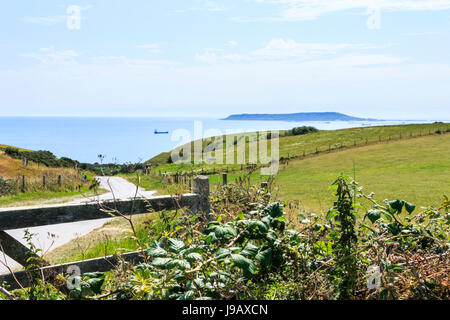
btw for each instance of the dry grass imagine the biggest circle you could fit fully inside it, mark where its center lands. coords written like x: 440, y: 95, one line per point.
x: 14, y: 169
x: 113, y: 233
x: 11, y: 168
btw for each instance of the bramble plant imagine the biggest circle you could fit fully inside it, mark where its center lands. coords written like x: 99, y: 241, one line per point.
x: 253, y: 249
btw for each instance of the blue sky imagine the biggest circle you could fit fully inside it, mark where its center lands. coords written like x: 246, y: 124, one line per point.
x: 203, y: 58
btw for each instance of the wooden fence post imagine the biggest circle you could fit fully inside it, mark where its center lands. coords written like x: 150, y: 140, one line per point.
x: 201, y: 187
x: 59, y: 181
x: 224, y: 179
x: 43, y: 181
x: 23, y: 183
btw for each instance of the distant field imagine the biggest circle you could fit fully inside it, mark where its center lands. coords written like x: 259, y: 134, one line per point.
x: 322, y: 141
x: 417, y: 170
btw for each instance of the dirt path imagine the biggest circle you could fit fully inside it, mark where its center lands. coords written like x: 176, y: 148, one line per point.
x: 50, y: 237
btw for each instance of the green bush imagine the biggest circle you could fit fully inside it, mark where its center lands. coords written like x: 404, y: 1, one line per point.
x: 248, y: 248
x: 45, y: 158
x: 300, y: 131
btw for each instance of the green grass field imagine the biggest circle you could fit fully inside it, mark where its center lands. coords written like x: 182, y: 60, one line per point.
x: 416, y: 169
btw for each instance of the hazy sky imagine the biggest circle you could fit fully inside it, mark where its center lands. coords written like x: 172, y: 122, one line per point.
x: 381, y: 58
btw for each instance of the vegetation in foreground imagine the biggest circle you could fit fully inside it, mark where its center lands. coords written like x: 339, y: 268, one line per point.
x: 248, y: 248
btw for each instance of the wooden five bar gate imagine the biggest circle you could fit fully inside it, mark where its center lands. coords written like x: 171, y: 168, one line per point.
x: 21, y: 218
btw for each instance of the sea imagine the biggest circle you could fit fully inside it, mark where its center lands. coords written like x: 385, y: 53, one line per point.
x: 132, y: 140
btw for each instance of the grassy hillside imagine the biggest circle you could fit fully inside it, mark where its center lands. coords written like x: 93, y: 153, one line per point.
x: 414, y: 169
x: 417, y: 169
x: 35, y: 192
x: 4, y: 146
x: 322, y: 141
x: 12, y: 168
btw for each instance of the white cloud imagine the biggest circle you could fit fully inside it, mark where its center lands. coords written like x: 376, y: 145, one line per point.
x: 214, y: 56
x: 129, y: 62
x: 45, y: 21
x: 152, y: 48
x: 364, y: 60
x: 232, y: 43
x: 426, y: 33
x: 289, y: 48
x: 205, y: 5
x: 50, y: 56
x: 60, y: 58
x: 300, y: 10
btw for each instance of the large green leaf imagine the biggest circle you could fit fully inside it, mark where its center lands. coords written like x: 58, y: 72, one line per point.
x: 240, y: 261
x: 96, y: 284
x: 274, y: 210
x: 161, y: 262
x: 374, y: 215
x: 188, y: 295
x: 181, y: 264
x: 397, y: 205
x: 250, y: 250
x: 264, y: 257
x: 156, y: 251
x: 245, y: 264
x: 194, y: 256
x: 409, y: 207
x: 199, y: 283
x: 231, y: 230
x: 223, y: 253
x: 175, y: 245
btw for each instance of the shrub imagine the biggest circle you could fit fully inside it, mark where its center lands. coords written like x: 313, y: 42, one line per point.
x: 300, y: 131
x: 247, y: 248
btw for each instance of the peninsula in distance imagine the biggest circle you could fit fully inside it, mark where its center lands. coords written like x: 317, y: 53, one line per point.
x: 302, y: 116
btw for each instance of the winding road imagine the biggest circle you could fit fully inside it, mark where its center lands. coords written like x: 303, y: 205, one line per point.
x: 120, y: 189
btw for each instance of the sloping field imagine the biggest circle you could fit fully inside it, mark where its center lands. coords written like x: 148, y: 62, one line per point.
x: 417, y: 170
x: 70, y: 187
x: 297, y: 146
x: 12, y: 168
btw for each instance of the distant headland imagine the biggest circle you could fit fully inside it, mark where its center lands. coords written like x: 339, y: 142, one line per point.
x: 302, y: 116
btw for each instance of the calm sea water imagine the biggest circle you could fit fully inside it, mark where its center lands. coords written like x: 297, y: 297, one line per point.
x: 129, y: 139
